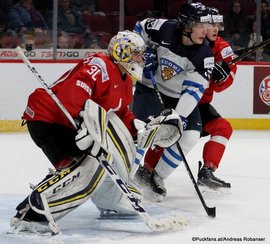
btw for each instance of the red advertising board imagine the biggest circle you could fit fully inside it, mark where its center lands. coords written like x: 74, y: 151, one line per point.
x: 261, y: 90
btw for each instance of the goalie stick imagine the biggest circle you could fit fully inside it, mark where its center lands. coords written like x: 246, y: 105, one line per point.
x: 155, y: 224
x: 210, y: 211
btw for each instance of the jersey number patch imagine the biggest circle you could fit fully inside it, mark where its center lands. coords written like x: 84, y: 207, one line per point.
x: 93, y: 72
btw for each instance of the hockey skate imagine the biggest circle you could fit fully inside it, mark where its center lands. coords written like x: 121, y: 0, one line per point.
x: 152, y: 184
x: 207, y: 178
x: 143, y: 177
x: 158, y: 184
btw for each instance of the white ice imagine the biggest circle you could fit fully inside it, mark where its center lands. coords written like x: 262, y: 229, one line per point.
x: 242, y: 212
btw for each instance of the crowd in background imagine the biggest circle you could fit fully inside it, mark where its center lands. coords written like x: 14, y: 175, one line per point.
x: 86, y: 24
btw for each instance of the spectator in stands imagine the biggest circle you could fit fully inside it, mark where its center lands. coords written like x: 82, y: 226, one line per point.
x: 69, y: 19
x: 23, y: 17
x: 252, y: 34
x: 4, y: 9
x: 28, y: 40
x: 237, y: 41
x: 235, y: 21
x: 44, y: 7
x: 42, y: 40
x: 3, y: 22
x: 91, y: 42
x: 9, y: 39
x: 2, y: 27
x: 64, y: 41
x: 263, y: 54
x: 86, y: 7
x: 265, y: 26
x: 265, y: 20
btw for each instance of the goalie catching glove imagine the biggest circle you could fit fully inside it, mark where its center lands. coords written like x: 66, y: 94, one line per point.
x: 163, y: 131
x: 91, y: 135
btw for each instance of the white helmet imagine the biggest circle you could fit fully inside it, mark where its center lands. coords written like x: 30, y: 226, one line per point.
x: 124, y: 49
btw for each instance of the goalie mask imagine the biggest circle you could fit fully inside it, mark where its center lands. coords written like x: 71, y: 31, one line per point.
x: 127, y: 48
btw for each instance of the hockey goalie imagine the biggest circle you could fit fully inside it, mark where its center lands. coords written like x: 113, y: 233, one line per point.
x: 97, y: 93
x: 62, y: 191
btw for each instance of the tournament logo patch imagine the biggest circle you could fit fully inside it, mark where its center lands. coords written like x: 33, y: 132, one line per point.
x: 169, y: 69
x: 226, y: 52
x: 264, y: 90
x: 101, y: 64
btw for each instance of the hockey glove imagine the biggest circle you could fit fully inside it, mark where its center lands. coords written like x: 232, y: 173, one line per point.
x: 151, y: 63
x: 220, y: 72
x: 162, y: 131
x: 183, y: 120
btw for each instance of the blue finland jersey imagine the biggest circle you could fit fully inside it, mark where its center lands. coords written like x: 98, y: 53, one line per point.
x: 183, y: 70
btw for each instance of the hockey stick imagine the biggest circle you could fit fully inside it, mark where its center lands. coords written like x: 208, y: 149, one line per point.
x: 174, y: 222
x: 210, y: 211
x: 249, y: 51
x: 45, y: 86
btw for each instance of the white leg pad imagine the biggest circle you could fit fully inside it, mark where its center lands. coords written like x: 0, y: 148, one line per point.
x: 109, y: 197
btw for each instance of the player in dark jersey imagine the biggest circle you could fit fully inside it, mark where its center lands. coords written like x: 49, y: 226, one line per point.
x: 184, y: 59
x: 214, y: 125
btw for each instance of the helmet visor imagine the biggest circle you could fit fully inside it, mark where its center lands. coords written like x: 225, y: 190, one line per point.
x: 217, y: 20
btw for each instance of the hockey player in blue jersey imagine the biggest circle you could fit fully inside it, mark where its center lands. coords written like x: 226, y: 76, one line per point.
x: 180, y: 60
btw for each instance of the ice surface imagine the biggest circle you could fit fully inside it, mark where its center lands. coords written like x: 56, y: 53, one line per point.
x: 242, y: 212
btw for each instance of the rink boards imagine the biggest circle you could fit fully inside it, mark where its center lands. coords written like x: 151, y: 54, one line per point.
x: 239, y: 103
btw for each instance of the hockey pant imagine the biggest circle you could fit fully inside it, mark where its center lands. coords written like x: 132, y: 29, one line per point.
x: 68, y: 189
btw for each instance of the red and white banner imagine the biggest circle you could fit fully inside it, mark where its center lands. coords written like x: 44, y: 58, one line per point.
x: 261, y: 91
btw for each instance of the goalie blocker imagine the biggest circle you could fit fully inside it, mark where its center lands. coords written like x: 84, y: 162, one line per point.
x: 63, y: 191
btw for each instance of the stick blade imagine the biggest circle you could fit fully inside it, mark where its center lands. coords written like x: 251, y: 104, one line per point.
x: 211, y: 212
x: 164, y: 224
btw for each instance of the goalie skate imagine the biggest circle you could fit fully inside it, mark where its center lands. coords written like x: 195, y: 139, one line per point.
x: 19, y: 226
x: 112, y: 214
